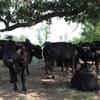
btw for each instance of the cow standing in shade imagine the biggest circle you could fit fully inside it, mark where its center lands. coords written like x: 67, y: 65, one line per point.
x: 16, y: 63
x: 62, y: 51
x: 32, y: 50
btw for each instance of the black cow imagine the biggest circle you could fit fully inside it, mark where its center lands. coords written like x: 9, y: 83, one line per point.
x: 84, y: 79
x: 32, y: 50
x: 88, y: 52
x: 62, y: 51
x: 2, y: 44
x: 16, y: 62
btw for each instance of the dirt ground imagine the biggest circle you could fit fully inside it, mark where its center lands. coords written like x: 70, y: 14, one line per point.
x: 39, y: 88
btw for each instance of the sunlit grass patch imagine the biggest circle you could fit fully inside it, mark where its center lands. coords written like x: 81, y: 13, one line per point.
x: 35, y: 60
x: 21, y: 98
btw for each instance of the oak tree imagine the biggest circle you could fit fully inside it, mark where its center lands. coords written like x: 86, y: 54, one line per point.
x: 26, y: 13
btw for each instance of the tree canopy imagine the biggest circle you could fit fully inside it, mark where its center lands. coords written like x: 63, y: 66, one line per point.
x: 89, y: 33
x: 26, y: 13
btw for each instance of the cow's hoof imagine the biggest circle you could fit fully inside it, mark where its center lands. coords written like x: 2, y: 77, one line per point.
x: 25, y: 92
x: 15, y: 89
x: 28, y: 73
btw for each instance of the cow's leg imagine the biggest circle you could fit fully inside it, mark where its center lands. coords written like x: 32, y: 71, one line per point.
x: 97, y: 68
x: 75, y: 64
x: 67, y: 70
x: 62, y: 68
x: 72, y: 70
x: 51, y: 71
x: 51, y: 64
x: 15, y: 86
x: 13, y: 78
x: 46, y: 70
x: 23, y: 79
x: 48, y: 67
x: 66, y: 66
x: 27, y: 70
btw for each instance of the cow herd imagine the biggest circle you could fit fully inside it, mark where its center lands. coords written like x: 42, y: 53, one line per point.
x: 18, y: 55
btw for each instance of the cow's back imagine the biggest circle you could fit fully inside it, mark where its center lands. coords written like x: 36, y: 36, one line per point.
x: 59, y: 50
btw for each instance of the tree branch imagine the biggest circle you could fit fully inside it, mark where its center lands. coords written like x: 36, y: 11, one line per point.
x: 6, y: 23
x: 40, y: 19
x: 74, y: 12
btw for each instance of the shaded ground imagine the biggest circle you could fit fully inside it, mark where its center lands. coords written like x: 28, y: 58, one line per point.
x: 39, y: 88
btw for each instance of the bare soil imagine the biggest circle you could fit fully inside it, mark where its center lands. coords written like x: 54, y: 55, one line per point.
x: 39, y: 88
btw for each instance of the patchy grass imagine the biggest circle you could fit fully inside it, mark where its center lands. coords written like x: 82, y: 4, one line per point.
x: 35, y: 61
x: 75, y: 94
x: 21, y: 98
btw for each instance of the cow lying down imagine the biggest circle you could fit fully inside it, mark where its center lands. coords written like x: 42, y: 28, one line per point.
x: 84, y: 79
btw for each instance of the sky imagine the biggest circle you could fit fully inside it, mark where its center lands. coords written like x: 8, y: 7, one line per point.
x: 58, y: 28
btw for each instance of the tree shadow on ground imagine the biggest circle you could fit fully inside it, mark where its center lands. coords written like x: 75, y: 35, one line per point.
x: 39, y: 88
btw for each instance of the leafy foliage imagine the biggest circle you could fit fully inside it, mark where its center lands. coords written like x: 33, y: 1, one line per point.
x: 90, y: 33
x: 26, y: 13
x: 76, y: 40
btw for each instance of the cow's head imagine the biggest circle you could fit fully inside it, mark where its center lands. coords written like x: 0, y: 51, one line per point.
x: 37, y: 52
